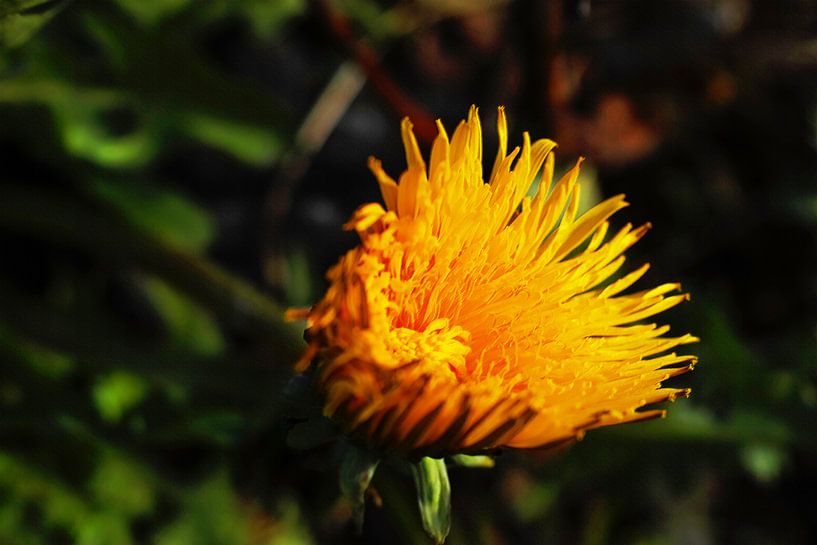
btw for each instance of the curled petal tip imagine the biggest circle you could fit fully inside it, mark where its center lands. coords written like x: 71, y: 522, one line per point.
x: 295, y: 314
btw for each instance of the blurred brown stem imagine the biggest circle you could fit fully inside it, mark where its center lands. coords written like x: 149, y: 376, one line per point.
x: 368, y: 59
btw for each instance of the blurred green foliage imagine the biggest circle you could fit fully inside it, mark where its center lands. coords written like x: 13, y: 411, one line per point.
x: 143, y: 369
x: 20, y: 19
x: 93, y: 398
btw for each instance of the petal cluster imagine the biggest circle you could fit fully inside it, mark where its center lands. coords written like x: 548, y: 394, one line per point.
x: 479, y: 315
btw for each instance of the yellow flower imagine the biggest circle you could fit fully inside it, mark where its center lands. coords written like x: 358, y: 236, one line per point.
x: 473, y: 316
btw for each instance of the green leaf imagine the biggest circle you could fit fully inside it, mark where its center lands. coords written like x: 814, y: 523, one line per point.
x: 268, y: 18
x: 20, y: 19
x: 159, y: 212
x: 199, y: 101
x: 433, y: 496
x: 25, y: 485
x: 151, y: 12
x: 356, y: 471
x: 534, y: 500
x: 685, y: 422
x: 123, y: 486
x: 299, y: 280
x: 764, y: 461
x: 86, y: 134
x: 190, y: 327
x: 144, y: 101
x: 290, y: 528
x: 749, y: 424
x: 117, y: 393
x: 219, y: 427
x: 42, y: 359
x: 214, y: 514
x: 102, y: 528
x: 252, y: 144
x: 211, y: 514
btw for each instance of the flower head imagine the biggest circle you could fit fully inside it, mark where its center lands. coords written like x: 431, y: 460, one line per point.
x: 473, y: 316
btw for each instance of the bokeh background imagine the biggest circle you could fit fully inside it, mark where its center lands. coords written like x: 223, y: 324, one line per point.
x: 174, y: 173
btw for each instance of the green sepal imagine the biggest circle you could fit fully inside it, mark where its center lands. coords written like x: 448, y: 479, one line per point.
x: 433, y: 496
x: 467, y: 460
x: 356, y: 471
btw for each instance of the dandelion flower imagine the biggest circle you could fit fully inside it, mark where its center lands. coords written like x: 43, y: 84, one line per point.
x: 474, y: 316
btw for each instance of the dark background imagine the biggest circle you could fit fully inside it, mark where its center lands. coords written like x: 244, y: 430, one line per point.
x: 174, y: 173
